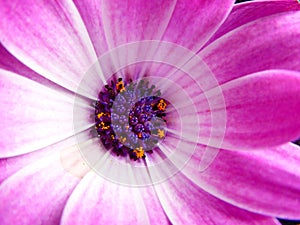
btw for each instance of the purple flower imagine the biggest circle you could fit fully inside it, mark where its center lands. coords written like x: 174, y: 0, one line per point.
x: 207, y: 144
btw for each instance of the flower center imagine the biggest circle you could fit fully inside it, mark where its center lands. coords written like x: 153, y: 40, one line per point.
x: 130, y: 118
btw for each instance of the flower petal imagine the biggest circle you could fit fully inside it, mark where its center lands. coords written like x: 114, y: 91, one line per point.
x: 10, y: 63
x: 103, y: 202
x: 32, y: 116
x: 48, y: 37
x: 117, y: 22
x: 265, y: 182
x: 90, y: 12
x: 194, y: 22
x: 253, y: 10
x: 185, y: 203
x: 36, y: 194
x: 9, y: 166
x: 267, y: 43
x: 262, y: 110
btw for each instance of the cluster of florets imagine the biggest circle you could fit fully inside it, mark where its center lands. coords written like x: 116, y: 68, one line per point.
x: 129, y: 118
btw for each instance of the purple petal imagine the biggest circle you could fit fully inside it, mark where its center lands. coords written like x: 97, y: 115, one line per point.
x: 268, y: 43
x: 185, y: 203
x: 90, y: 12
x: 112, y: 23
x: 69, y: 159
x: 98, y: 201
x: 32, y: 116
x: 265, y: 182
x: 262, y: 110
x: 10, y: 63
x: 253, y: 10
x: 193, y: 22
x: 36, y: 194
x: 48, y: 37
x: 9, y: 166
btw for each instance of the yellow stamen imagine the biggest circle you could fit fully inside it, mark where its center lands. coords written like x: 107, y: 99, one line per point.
x: 122, y: 139
x: 160, y: 133
x: 139, y: 152
x: 102, y: 114
x: 162, y: 105
x: 120, y: 86
x: 103, y: 126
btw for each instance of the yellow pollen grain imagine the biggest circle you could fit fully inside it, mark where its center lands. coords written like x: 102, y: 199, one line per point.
x: 122, y: 139
x: 139, y: 152
x: 103, y: 126
x: 120, y: 86
x: 162, y: 105
x: 102, y: 114
x: 160, y: 133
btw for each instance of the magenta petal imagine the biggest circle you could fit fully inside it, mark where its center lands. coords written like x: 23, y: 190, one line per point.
x: 127, y: 21
x: 48, y: 37
x: 185, y: 203
x: 32, y: 116
x: 265, y: 182
x: 98, y: 201
x: 268, y: 43
x: 90, y: 12
x: 36, y: 194
x: 9, y: 166
x: 262, y: 110
x: 11, y: 63
x: 253, y: 10
x: 194, y: 22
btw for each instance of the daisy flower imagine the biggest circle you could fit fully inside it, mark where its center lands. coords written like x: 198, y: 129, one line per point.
x: 149, y: 112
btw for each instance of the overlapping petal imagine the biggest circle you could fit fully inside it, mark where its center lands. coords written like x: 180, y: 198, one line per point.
x: 9, y: 166
x: 253, y: 10
x: 265, y: 182
x: 114, y: 23
x: 32, y: 115
x: 49, y: 37
x: 90, y: 12
x: 38, y: 193
x: 55, y: 39
x: 267, y: 43
x: 103, y: 202
x: 185, y: 203
x: 11, y: 63
x: 121, y: 22
x: 261, y: 110
x: 194, y: 22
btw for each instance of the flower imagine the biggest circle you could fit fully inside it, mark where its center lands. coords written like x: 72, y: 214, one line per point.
x: 233, y: 108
